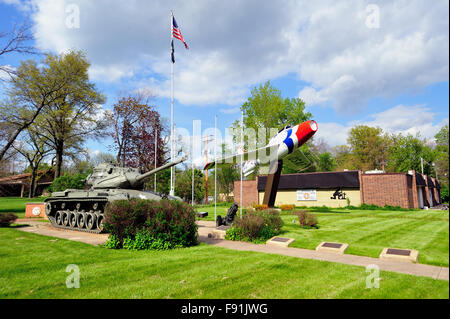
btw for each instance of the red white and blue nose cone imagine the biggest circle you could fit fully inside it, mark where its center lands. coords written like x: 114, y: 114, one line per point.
x: 305, y: 131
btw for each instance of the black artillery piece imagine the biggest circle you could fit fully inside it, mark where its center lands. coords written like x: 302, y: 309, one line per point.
x: 228, y: 220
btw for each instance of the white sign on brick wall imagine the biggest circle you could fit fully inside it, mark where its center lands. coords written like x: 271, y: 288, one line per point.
x: 306, y: 194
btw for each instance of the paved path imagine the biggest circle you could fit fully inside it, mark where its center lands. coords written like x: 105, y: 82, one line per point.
x: 205, y: 228
x: 435, y: 272
x: 45, y: 228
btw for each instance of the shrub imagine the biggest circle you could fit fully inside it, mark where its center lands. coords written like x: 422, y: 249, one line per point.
x: 250, y: 225
x: 259, y: 206
x: 112, y: 243
x: 287, y: 207
x: 144, y: 240
x: 64, y: 182
x: 444, y: 194
x: 306, y: 219
x: 256, y: 226
x: 149, y: 224
x: 6, y: 219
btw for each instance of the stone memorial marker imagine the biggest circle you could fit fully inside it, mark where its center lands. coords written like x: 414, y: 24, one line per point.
x: 409, y: 255
x: 280, y: 241
x: 332, y: 247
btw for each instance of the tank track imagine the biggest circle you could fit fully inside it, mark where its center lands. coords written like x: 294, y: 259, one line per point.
x: 55, y: 206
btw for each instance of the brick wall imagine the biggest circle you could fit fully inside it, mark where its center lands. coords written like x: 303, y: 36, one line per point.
x: 249, y: 192
x: 386, y: 189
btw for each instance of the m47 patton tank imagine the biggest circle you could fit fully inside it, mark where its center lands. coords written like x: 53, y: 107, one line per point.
x: 83, y: 210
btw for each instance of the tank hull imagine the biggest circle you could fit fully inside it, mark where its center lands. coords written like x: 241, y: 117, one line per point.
x: 83, y: 210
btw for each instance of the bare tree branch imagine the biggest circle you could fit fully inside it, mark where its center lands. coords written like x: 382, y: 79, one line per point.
x: 16, y: 41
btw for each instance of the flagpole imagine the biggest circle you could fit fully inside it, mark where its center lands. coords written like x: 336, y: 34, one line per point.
x: 172, y: 190
x: 192, y: 159
x: 215, y: 168
x: 242, y: 153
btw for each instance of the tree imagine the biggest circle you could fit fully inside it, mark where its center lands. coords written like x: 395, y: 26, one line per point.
x: 16, y: 41
x: 100, y: 158
x: 369, y: 147
x: 343, y: 157
x: 406, y: 152
x: 56, y: 80
x: 442, y: 154
x: 226, y: 174
x: 34, y: 150
x: 267, y: 109
x: 326, y: 162
x: 135, y: 124
x: 184, y: 185
x: 66, y: 123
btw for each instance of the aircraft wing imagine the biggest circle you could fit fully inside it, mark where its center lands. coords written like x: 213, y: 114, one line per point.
x: 239, y: 158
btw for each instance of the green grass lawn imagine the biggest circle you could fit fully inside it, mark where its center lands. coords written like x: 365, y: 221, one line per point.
x: 16, y: 205
x: 222, y: 209
x: 33, y: 266
x: 369, y: 231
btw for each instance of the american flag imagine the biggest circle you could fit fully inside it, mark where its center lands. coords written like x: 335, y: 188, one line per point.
x: 177, y: 33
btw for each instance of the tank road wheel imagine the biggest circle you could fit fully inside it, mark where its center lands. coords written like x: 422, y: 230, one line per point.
x: 58, y: 218
x: 65, y: 218
x: 81, y: 220
x: 73, y: 220
x: 90, y: 221
x: 48, y: 208
x: 100, y: 222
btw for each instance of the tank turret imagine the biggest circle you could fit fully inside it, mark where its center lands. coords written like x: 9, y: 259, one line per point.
x: 114, y: 176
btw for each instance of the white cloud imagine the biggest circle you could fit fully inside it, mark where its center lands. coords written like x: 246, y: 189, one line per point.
x: 407, y: 120
x: 348, y: 63
x: 333, y: 133
x: 398, y: 119
x: 233, y: 110
x: 237, y: 44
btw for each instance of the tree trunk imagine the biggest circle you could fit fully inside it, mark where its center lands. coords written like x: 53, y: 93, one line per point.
x: 59, y: 158
x: 33, y: 182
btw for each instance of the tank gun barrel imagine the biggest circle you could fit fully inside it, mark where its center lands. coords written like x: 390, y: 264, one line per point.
x: 156, y: 170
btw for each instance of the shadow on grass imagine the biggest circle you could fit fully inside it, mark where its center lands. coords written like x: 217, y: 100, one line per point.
x: 16, y: 226
x: 12, y: 210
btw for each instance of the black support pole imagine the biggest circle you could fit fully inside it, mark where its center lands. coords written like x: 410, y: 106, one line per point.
x: 273, y: 179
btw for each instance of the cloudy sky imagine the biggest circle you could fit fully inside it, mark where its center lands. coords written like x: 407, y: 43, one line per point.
x: 382, y: 63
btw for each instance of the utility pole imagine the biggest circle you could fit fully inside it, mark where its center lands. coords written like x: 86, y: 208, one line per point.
x: 206, y: 139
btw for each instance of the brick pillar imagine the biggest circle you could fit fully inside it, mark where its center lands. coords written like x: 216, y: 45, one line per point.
x: 361, y: 187
x: 249, y: 193
x: 415, y: 196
